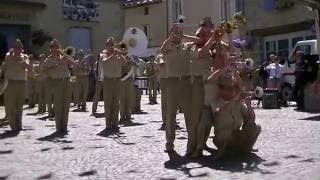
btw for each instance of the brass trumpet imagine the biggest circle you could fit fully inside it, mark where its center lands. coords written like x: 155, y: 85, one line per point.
x: 257, y: 93
x: 229, y: 26
x: 69, y: 51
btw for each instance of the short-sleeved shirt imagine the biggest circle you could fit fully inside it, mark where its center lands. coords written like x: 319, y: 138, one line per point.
x: 83, y: 69
x: 56, y: 68
x: 275, y: 70
x: 199, y: 66
x: 178, y: 61
x: 14, y: 68
x: 210, y: 93
x: 161, y: 67
x: 231, y: 120
x: 112, y: 68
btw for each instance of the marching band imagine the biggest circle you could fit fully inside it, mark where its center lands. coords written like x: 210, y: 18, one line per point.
x: 198, y: 74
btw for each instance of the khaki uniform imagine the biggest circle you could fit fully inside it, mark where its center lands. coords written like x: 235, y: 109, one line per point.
x: 31, y: 85
x: 200, y: 68
x: 98, y: 87
x: 59, y: 82
x: 178, y: 90
x: 162, y: 68
x: 112, y: 69
x: 82, y: 84
x: 228, y: 135
x: 14, y: 94
x: 126, y: 96
x: 40, y: 88
x: 73, y: 87
x: 139, y: 69
x: 151, y: 73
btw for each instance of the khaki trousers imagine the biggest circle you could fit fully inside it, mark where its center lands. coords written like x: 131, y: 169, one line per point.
x: 61, y: 102
x: 49, y: 91
x: 82, y: 87
x: 163, y: 88
x: 137, y: 103
x: 126, y: 99
x: 14, y: 97
x: 196, y: 105
x: 152, y: 88
x: 32, y: 95
x: 241, y: 141
x: 40, y: 89
x: 204, y: 127
x: 178, y: 95
x: 111, y: 95
x: 97, y: 95
x: 74, y: 92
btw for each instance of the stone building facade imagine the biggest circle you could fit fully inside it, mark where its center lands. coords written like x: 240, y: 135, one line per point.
x: 80, y: 23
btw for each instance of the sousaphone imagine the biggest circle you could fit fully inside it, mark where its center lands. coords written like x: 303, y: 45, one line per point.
x: 136, y: 42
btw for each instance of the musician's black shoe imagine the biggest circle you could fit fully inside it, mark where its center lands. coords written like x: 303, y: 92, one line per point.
x: 163, y: 127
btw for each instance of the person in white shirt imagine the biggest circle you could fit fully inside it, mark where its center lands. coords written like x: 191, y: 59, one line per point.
x: 275, y: 71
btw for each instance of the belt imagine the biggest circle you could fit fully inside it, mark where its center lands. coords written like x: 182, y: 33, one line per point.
x: 12, y: 80
x: 113, y: 79
x: 180, y: 78
x: 61, y: 79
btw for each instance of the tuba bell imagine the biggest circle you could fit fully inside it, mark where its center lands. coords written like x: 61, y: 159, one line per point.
x: 136, y: 41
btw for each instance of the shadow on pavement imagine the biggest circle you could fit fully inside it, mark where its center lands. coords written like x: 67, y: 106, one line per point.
x: 46, y: 176
x: 99, y: 115
x: 6, y: 152
x: 246, y: 164
x: 88, y: 173
x: 55, y: 137
x: 109, y: 132
x: 9, y: 134
x: 4, y: 177
x: 312, y: 118
x: 4, y: 123
x: 130, y: 123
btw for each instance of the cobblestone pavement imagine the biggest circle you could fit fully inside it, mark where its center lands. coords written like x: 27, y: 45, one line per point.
x: 288, y: 148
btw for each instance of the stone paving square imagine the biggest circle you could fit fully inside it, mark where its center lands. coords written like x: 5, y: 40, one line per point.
x: 288, y: 148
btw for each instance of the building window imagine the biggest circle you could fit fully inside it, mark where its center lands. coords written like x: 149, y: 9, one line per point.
x: 270, y: 48
x: 224, y: 10
x: 240, y: 6
x: 311, y: 37
x: 146, y: 30
x: 268, y: 5
x: 146, y: 10
x: 283, y: 49
x: 177, y: 9
x: 295, y: 40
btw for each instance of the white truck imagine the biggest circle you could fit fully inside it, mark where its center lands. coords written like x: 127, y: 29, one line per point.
x: 309, y: 47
